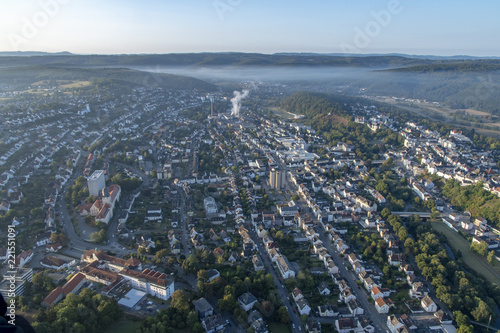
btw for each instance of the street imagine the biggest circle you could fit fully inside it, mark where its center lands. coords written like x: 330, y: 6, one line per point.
x: 282, y: 291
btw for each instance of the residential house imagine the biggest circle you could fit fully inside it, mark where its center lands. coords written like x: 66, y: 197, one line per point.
x: 328, y: 311
x: 284, y: 267
x: 381, y: 305
x: 257, y: 262
x: 428, y: 304
x: 246, y: 301
x: 394, y: 324
x: 355, y: 308
x: 323, y: 289
x: 203, y: 308
x: 303, y: 306
x: 348, y: 325
x: 376, y: 293
x: 23, y: 258
x: 213, y: 323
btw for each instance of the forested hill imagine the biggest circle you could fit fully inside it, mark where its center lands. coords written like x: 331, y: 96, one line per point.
x: 120, y: 77
x: 214, y: 59
x: 464, y: 66
x: 318, y: 107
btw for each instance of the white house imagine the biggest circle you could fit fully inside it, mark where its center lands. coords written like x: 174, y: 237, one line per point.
x: 303, y: 306
x: 284, y: 267
x: 381, y: 305
x: 428, y: 304
x: 323, y: 289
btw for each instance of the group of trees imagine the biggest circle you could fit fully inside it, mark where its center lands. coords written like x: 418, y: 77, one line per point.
x: 475, y: 199
x: 40, y: 286
x: 209, y: 159
x: 233, y: 282
x: 77, y: 192
x: 126, y: 183
x: 179, y: 315
x: 329, y: 116
x: 86, y: 312
x: 481, y: 248
x: 99, y: 236
x: 393, y: 188
x: 468, y: 295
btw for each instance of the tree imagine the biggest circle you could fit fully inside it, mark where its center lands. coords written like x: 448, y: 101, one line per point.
x: 465, y: 329
x: 192, y: 318
x: 42, y: 283
x: 491, y: 256
x: 59, y: 238
x: 481, y: 312
x: 227, y: 303
x: 179, y: 301
x: 98, y: 236
x: 161, y: 254
x: 480, y: 248
x: 409, y: 244
x: 37, y: 213
x: 460, y: 318
x: 283, y: 315
x: 385, y: 213
x: 198, y: 328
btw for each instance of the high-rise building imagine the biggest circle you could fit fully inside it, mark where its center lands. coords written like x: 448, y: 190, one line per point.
x: 212, y: 98
x: 96, y: 182
x: 277, y: 178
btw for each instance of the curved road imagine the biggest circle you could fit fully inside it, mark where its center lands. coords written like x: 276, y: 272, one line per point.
x: 77, y: 244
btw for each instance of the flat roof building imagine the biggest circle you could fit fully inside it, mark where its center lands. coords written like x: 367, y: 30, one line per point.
x: 96, y: 182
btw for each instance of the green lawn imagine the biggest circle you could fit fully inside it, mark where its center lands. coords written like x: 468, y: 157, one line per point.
x: 125, y: 325
x: 471, y: 259
x: 279, y: 328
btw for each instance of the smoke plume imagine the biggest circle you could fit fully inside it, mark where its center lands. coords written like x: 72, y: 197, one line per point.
x: 236, y: 101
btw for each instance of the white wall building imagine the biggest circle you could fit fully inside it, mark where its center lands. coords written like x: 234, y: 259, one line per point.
x: 96, y: 182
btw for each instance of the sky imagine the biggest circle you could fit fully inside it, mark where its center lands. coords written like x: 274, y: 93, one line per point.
x: 427, y: 27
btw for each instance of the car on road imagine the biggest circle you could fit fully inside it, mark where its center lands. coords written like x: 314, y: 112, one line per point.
x: 293, y: 325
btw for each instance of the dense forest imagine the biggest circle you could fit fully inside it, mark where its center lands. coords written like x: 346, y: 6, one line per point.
x: 472, y: 86
x: 215, y: 59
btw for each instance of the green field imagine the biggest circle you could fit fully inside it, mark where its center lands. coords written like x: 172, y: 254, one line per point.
x: 125, y: 325
x: 472, y: 260
x: 279, y: 328
x: 282, y: 113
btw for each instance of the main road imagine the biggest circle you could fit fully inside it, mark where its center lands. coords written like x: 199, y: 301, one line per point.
x: 282, y: 291
x: 379, y: 320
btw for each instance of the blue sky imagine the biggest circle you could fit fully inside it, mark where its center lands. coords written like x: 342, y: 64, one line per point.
x: 164, y: 26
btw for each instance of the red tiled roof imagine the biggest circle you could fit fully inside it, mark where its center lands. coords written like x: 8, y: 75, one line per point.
x: 380, y: 301
x: 54, y: 294
x: 148, y: 275
x: 70, y: 286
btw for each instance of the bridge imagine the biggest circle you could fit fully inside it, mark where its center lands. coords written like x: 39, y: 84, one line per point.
x: 408, y: 214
